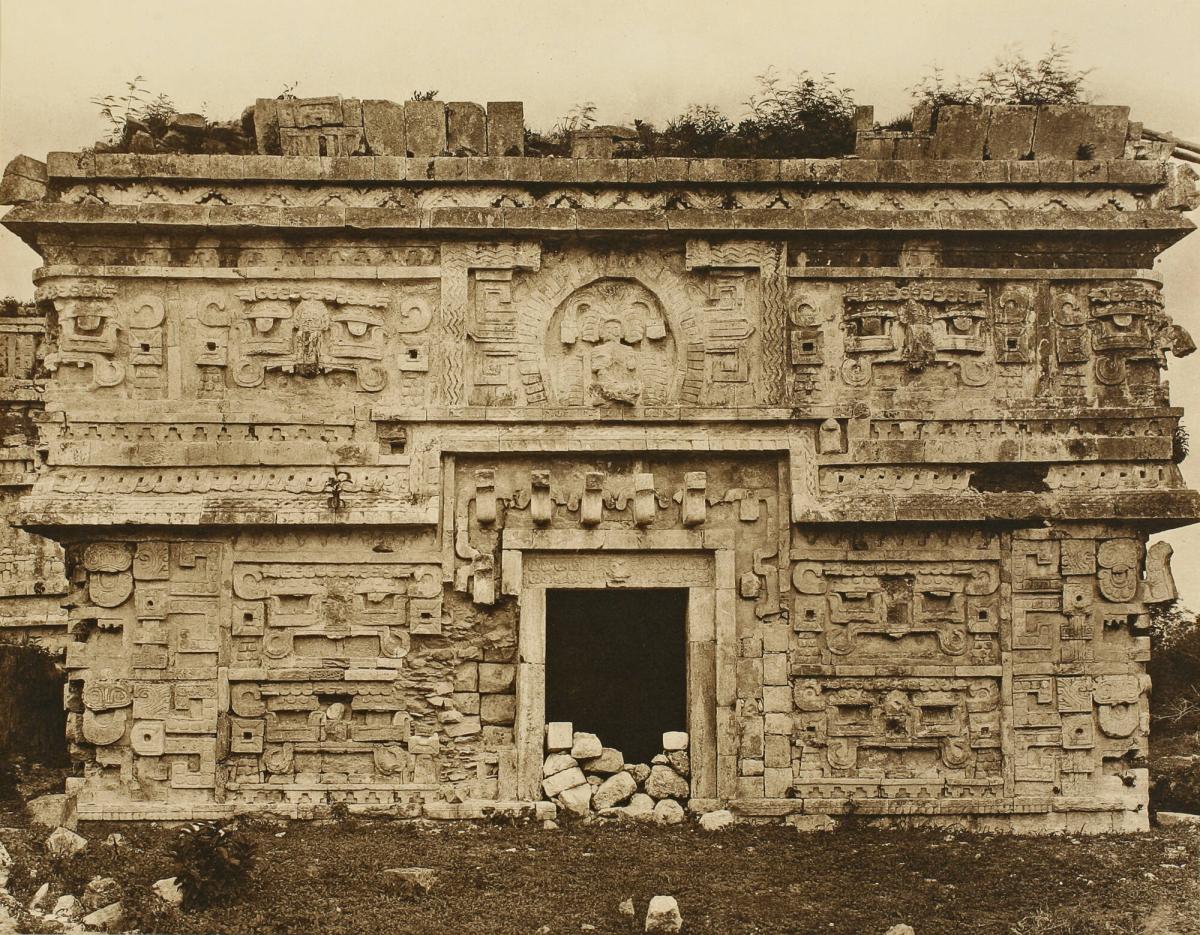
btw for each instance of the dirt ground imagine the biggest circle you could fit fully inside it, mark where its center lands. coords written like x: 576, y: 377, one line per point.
x: 329, y: 877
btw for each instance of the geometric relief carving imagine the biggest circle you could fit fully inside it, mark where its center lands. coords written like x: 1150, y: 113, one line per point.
x: 895, y: 610
x: 916, y: 729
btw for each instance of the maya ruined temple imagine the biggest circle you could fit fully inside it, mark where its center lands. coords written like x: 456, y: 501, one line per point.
x: 343, y: 470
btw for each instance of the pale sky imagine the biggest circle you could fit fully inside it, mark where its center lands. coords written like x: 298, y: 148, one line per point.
x: 643, y: 58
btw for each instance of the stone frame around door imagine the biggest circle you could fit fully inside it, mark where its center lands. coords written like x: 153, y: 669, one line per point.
x: 701, y: 562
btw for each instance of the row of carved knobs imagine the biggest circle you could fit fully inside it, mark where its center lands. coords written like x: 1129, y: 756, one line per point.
x: 591, y: 504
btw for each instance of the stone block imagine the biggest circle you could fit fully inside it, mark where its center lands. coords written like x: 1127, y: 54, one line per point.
x: 52, y: 811
x: 576, y: 800
x: 1174, y: 819
x: 1080, y: 131
x: 266, y: 126
x: 24, y: 181
x: 506, y: 128
x: 1010, y: 131
x: 663, y: 915
x: 639, y: 771
x: 679, y: 761
x: 615, y: 790
x: 560, y: 735
x: 717, y: 820
x: 497, y: 709
x: 464, y: 728
x: 675, y: 740
x: 668, y: 812
x: 100, y: 891
x: 466, y: 677
x: 425, y: 127
x: 63, y: 842
x: 640, y: 807
x: 414, y: 879
x: 559, y: 782
x: 960, y: 133
x: 169, y: 891
x: 383, y: 126
x: 466, y: 129
x: 664, y: 783
x: 496, y: 677
x: 555, y: 763
x: 812, y: 822
x: 585, y: 746
x: 107, y: 919
x: 609, y: 761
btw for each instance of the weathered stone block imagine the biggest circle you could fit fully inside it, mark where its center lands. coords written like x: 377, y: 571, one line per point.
x: 65, y: 843
x: 52, y: 811
x: 585, y: 746
x: 1078, y: 131
x: 576, y: 800
x: 106, y: 919
x: 466, y: 129
x: 560, y: 735
x: 497, y: 709
x: 425, y: 127
x: 506, y: 128
x: 609, y: 761
x: 662, y: 915
x: 675, y: 740
x: 716, y: 820
x: 663, y: 782
x: 1010, y: 131
x: 557, y: 762
x: 613, y: 791
x: 496, y: 676
x: 961, y: 132
x: 560, y: 782
x: 668, y: 812
x: 384, y: 128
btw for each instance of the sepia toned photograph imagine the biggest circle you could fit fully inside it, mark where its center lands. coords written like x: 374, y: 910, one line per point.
x: 560, y: 467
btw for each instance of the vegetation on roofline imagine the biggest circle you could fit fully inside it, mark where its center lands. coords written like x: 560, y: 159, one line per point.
x: 1011, y: 79
x: 801, y: 116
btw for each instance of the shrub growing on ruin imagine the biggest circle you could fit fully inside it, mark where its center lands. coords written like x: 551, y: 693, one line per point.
x: 809, y: 117
x: 1011, y: 79
x: 136, y: 108
x: 212, y: 863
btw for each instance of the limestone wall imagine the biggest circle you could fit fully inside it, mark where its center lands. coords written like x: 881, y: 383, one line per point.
x: 320, y: 432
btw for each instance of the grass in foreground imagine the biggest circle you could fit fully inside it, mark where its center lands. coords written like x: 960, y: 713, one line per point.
x: 753, y: 878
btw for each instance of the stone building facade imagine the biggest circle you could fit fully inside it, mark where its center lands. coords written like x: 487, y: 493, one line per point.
x: 320, y: 430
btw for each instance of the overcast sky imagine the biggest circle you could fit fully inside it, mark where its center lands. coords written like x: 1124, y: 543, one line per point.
x: 647, y: 58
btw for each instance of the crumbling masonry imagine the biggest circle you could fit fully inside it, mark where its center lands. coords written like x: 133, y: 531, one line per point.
x: 299, y: 441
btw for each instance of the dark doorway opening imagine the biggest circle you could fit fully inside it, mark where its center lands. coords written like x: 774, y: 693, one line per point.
x: 616, y: 665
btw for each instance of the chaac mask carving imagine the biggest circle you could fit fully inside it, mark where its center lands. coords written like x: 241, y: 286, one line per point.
x: 614, y: 345
x: 916, y: 325
x: 307, y: 333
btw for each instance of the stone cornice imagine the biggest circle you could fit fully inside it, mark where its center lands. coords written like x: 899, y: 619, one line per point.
x: 1165, y: 226
x: 648, y: 171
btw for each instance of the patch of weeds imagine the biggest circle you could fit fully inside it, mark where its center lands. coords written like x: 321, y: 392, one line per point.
x: 212, y: 864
